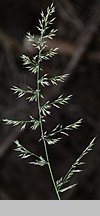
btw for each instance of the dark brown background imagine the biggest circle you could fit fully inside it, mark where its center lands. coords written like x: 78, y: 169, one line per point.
x: 78, y: 39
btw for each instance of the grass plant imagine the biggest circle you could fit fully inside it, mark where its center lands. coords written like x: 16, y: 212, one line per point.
x: 34, y: 65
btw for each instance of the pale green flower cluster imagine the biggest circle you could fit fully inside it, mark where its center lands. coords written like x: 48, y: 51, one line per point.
x: 42, y: 80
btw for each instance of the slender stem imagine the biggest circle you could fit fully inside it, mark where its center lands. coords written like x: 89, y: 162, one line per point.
x: 42, y: 135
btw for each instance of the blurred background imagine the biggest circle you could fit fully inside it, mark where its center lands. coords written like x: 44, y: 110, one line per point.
x: 78, y: 39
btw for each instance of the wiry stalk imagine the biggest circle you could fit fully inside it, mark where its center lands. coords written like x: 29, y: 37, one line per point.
x: 42, y: 133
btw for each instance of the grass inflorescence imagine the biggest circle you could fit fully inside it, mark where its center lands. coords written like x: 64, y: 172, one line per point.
x: 42, y: 80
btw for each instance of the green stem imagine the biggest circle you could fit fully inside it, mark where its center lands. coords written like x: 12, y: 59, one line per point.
x: 42, y: 135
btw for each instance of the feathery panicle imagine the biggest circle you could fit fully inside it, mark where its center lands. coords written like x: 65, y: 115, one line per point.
x: 33, y: 65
